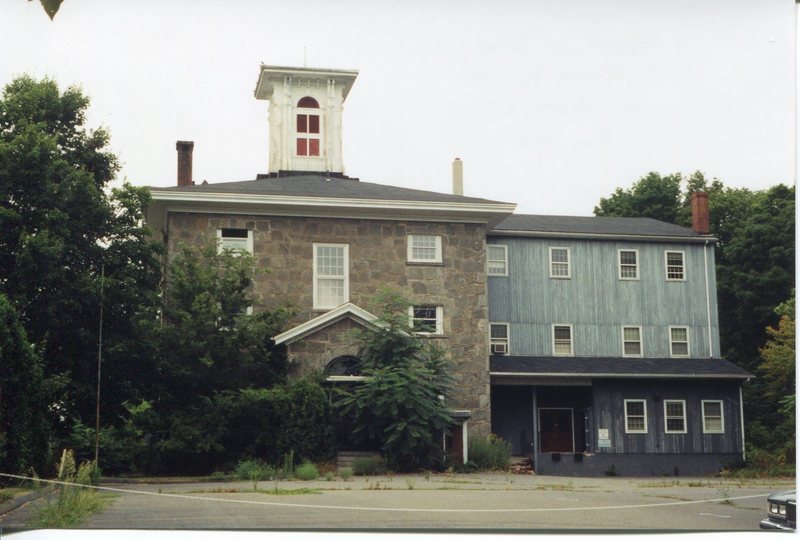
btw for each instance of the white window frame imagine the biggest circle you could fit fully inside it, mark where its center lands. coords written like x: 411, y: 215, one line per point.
x: 568, y: 263
x: 667, y: 418
x: 221, y: 240
x: 345, y: 277
x: 667, y: 265
x: 437, y: 247
x: 500, y: 341
x: 489, y: 261
x: 439, y: 320
x: 721, y: 415
x: 571, y: 339
x: 644, y: 410
x: 624, y: 341
x: 672, y: 342
x: 619, y: 264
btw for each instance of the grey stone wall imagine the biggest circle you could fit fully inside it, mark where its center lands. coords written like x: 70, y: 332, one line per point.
x: 377, y: 260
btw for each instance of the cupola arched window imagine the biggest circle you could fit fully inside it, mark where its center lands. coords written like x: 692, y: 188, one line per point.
x: 307, y: 127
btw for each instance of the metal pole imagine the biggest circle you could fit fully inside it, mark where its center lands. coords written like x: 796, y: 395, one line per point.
x: 99, y: 361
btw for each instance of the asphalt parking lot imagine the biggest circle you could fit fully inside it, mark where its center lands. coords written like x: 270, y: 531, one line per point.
x: 495, y: 501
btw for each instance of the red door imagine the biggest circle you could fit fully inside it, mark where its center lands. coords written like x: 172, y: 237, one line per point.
x: 556, y: 430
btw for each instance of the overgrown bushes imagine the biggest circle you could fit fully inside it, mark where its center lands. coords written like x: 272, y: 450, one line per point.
x: 490, y: 453
x: 369, y: 466
x: 220, y: 431
x: 306, y: 471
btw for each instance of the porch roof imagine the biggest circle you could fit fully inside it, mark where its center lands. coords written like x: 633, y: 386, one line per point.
x: 617, y: 368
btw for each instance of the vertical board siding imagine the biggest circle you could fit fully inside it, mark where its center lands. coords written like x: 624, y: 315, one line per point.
x: 597, y: 303
x: 610, y: 396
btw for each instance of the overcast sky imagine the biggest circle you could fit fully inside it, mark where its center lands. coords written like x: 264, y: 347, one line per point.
x: 551, y: 104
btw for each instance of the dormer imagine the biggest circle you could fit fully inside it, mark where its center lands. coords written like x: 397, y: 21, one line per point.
x: 305, y: 116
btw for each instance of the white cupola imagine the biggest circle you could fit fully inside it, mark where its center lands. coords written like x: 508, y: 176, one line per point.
x: 305, y: 116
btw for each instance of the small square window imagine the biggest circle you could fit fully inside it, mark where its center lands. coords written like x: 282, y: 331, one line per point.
x: 424, y: 248
x: 675, y: 266
x: 631, y: 341
x: 674, y: 416
x: 562, y: 340
x: 237, y: 240
x: 427, y: 320
x: 559, y: 262
x: 628, y: 264
x: 499, y: 338
x: 497, y: 260
x: 678, y: 341
x: 713, y: 418
x: 635, y: 416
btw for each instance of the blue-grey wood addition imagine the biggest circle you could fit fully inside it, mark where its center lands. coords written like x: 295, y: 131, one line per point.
x: 609, y: 398
x: 597, y: 303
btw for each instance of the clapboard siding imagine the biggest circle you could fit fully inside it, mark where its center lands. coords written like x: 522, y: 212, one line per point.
x: 597, y: 303
x: 610, y: 396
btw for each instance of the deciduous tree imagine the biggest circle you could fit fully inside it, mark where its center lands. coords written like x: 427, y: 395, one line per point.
x: 59, y: 226
x: 401, y: 404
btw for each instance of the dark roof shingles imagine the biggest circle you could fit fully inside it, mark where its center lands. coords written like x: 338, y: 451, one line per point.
x: 591, y: 225
x: 319, y: 186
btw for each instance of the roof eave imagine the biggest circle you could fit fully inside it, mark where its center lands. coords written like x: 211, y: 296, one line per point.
x: 633, y: 375
x: 489, y: 212
x: 604, y: 236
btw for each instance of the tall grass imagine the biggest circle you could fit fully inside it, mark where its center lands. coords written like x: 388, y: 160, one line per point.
x: 74, y: 503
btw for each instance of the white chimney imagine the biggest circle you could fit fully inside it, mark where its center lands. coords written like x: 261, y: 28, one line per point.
x: 458, y: 177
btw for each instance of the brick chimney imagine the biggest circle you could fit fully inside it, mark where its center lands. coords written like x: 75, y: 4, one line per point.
x: 701, y: 223
x: 185, y: 149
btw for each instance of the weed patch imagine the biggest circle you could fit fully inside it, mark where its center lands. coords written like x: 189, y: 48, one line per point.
x: 73, y: 504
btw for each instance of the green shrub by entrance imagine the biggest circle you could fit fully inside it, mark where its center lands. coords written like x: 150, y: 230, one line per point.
x: 490, y: 453
x: 369, y: 466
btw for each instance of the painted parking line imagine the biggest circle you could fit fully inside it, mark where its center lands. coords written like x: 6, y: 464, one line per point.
x: 715, y: 515
x: 390, y: 509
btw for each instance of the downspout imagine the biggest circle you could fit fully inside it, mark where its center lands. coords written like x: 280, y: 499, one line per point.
x: 535, y: 438
x: 708, y: 302
x: 741, y: 419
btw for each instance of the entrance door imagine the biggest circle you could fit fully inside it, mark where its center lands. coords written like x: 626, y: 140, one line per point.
x: 556, y: 430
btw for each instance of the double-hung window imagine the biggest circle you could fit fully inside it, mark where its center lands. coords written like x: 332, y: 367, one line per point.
x: 628, y: 264
x: 562, y: 340
x: 631, y: 341
x: 236, y: 240
x: 635, y: 416
x: 331, y: 275
x: 427, y: 320
x: 499, y: 338
x: 674, y: 416
x: 713, y: 419
x: 497, y: 260
x: 679, y: 341
x: 424, y: 248
x: 559, y: 262
x: 675, y: 265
